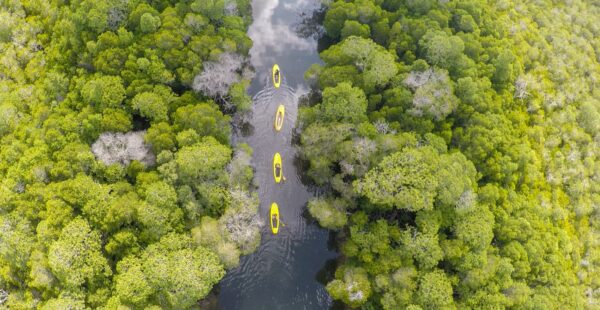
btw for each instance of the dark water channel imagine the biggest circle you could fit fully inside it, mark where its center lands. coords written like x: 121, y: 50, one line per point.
x: 283, y: 273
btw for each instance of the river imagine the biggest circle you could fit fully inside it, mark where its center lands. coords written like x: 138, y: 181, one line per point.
x: 283, y: 272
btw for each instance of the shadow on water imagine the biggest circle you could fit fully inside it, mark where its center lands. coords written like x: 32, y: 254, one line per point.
x: 288, y: 270
x: 327, y: 272
x: 311, y: 26
x: 246, y: 129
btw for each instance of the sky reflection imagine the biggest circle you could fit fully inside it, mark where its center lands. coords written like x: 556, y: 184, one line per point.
x: 271, y: 36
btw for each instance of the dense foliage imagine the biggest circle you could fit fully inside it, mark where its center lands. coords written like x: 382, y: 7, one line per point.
x: 460, y: 144
x: 159, y: 207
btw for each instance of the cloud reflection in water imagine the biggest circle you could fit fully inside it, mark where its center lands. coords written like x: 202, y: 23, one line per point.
x: 271, y: 37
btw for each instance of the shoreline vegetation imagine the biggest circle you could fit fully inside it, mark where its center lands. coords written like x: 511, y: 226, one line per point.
x: 119, y: 186
x: 458, y: 143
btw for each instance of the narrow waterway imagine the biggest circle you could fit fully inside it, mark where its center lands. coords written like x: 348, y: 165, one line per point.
x: 282, y: 273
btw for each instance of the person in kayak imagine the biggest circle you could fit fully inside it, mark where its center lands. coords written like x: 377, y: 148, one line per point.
x: 274, y: 219
x: 276, y: 76
x: 278, y: 171
x: 279, y: 119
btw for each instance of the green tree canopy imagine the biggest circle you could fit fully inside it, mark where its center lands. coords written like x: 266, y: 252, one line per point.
x: 404, y: 180
x: 329, y: 212
x: 343, y: 103
x: 76, y: 258
x: 375, y: 65
x: 171, y: 273
x: 104, y: 92
x: 203, y: 161
x: 205, y: 119
x: 150, y: 105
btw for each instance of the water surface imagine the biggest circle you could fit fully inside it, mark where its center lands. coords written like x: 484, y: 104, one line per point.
x: 282, y: 273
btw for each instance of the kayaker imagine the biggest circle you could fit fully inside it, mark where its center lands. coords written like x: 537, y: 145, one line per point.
x: 278, y: 171
x: 279, y: 119
x: 276, y: 76
x: 275, y: 218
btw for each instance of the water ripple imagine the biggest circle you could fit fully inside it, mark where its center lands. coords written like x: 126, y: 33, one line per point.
x: 282, y: 273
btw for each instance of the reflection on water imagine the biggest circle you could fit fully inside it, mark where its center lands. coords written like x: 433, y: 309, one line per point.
x: 284, y: 272
x: 276, y: 40
x: 273, y: 35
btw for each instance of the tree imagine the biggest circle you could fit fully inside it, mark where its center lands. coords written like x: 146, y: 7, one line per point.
x: 9, y: 117
x: 474, y: 226
x: 457, y: 178
x: 337, y: 15
x: 131, y: 284
x: 213, y: 9
x: 65, y: 302
x: 150, y: 105
x: 75, y: 157
x: 240, y: 168
x: 440, y: 49
x: 108, y: 212
x: 104, y: 92
x: 217, y: 77
x: 374, y: 63
x: 589, y: 112
x: 81, y: 197
x: 116, y: 120
x: 179, y: 273
x: 149, y: 23
x: 433, y: 94
x: 122, y: 244
x: 76, y: 258
x: 159, y: 214
x: 329, y: 212
x: 500, y: 194
x: 463, y: 21
x: 187, y: 137
x: 435, y: 291
x: 424, y: 247
x: 203, y: 161
x: 320, y: 143
x: 160, y: 137
x: 242, y: 222
x: 343, y: 103
x: 121, y: 148
x: 354, y: 28
x: 358, y: 156
x: 205, y: 119
x: 213, y: 198
x: 212, y: 235
x: 402, y: 180
x: 506, y: 69
x: 238, y: 94
x: 351, y: 285
x: 15, y: 245
x: 420, y: 7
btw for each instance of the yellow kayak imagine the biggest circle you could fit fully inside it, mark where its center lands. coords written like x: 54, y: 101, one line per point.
x: 276, y: 76
x: 279, y: 117
x: 277, y: 168
x: 274, y: 218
